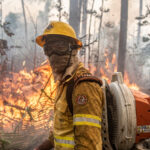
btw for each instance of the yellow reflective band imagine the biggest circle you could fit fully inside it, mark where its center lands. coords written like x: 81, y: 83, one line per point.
x: 64, y: 141
x: 64, y: 138
x: 86, y: 119
x: 64, y: 145
x: 87, y: 116
x: 87, y: 123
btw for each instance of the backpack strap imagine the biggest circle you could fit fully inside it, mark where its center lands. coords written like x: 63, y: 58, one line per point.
x: 70, y: 87
x: 74, y: 82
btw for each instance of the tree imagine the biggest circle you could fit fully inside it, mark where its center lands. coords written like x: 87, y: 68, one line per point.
x: 25, y: 23
x: 43, y: 16
x: 35, y: 35
x: 1, y: 16
x: 84, y: 29
x: 75, y: 15
x: 99, y: 29
x: 59, y: 7
x: 89, y: 37
x: 139, y: 27
x: 123, y: 36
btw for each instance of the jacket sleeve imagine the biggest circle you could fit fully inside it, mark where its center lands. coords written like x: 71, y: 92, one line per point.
x: 87, y: 111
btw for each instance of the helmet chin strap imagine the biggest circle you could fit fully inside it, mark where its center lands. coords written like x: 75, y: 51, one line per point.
x: 70, y: 55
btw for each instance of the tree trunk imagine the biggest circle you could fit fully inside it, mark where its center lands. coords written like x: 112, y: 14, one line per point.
x: 84, y: 28
x: 47, y: 8
x: 99, y: 30
x: 25, y: 23
x: 59, y: 9
x: 89, y: 39
x: 139, y: 27
x: 35, y: 48
x: 123, y: 36
x: 74, y: 18
x: 98, y: 63
x: 1, y: 18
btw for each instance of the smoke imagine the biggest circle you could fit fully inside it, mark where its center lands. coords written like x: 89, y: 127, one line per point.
x: 14, y: 20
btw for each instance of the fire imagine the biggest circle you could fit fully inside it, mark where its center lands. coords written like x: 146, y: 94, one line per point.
x: 92, y: 68
x: 113, y: 59
x: 24, y: 62
x: 130, y: 85
x: 23, y: 102
x: 108, y: 67
x: 27, y: 98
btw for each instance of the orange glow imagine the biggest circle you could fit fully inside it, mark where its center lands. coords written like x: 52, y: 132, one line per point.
x: 26, y: 97
x: 109, y: 67
x: 115, y: 70
x: 107, y: 63
x: 92, y: 68
x: 130, y: 85
x: 113, y: 59
x: 24, y: 62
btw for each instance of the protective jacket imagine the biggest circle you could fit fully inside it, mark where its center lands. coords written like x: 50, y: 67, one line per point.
x: 82, y: 129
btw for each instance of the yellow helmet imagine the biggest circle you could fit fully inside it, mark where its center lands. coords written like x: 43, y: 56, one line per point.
x: 57, y: 28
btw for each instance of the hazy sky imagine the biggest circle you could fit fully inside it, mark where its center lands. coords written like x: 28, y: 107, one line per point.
x: 34, y: 7
x: 15, y: 7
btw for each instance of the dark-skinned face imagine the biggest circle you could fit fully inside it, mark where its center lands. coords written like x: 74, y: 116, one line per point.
x: 58, y: 53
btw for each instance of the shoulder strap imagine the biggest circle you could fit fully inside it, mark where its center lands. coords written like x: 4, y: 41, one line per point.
x: 74, y: 82
x: 70, y: 87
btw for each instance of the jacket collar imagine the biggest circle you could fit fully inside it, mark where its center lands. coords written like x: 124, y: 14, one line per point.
x: 70, y: 72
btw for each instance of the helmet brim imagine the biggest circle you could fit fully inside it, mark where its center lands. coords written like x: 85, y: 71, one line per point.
x: 40, y: 40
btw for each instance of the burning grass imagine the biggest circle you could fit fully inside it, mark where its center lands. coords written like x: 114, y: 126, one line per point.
x: 26, y: 102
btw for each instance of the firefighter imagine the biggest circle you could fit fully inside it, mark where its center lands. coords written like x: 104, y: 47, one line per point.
x: 78, y: 127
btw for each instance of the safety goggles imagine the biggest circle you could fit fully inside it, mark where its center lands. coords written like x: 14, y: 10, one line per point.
x: 58, y: 49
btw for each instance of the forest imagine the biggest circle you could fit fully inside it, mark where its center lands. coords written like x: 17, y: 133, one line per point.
x: 115, y: 37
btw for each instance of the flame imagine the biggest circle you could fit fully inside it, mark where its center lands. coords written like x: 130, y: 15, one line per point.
x: 92, y: 68
x: 107, y: 63
x: 26, y: 97
x: 109, y: 67
x: 113, y: 59
x: 130, y: 85
x: 23, y: 63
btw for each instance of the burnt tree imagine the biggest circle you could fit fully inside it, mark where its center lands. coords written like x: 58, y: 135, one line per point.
x: 99, y: 29
x: 84, y: 30
x: 59, y: 7
x: 3, y: 56
x: 74, y: 18
x: 25, y: 22
x: 89, y: 37
x: 123, y: 36
x: 139, y: 27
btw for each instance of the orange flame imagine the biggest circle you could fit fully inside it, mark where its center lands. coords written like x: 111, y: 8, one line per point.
x: 28, y: 96
x: 113, y: 59
x: 24, y: 97
x: 109, y: 67
x: 130, y: 85
x: 24, y: 62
